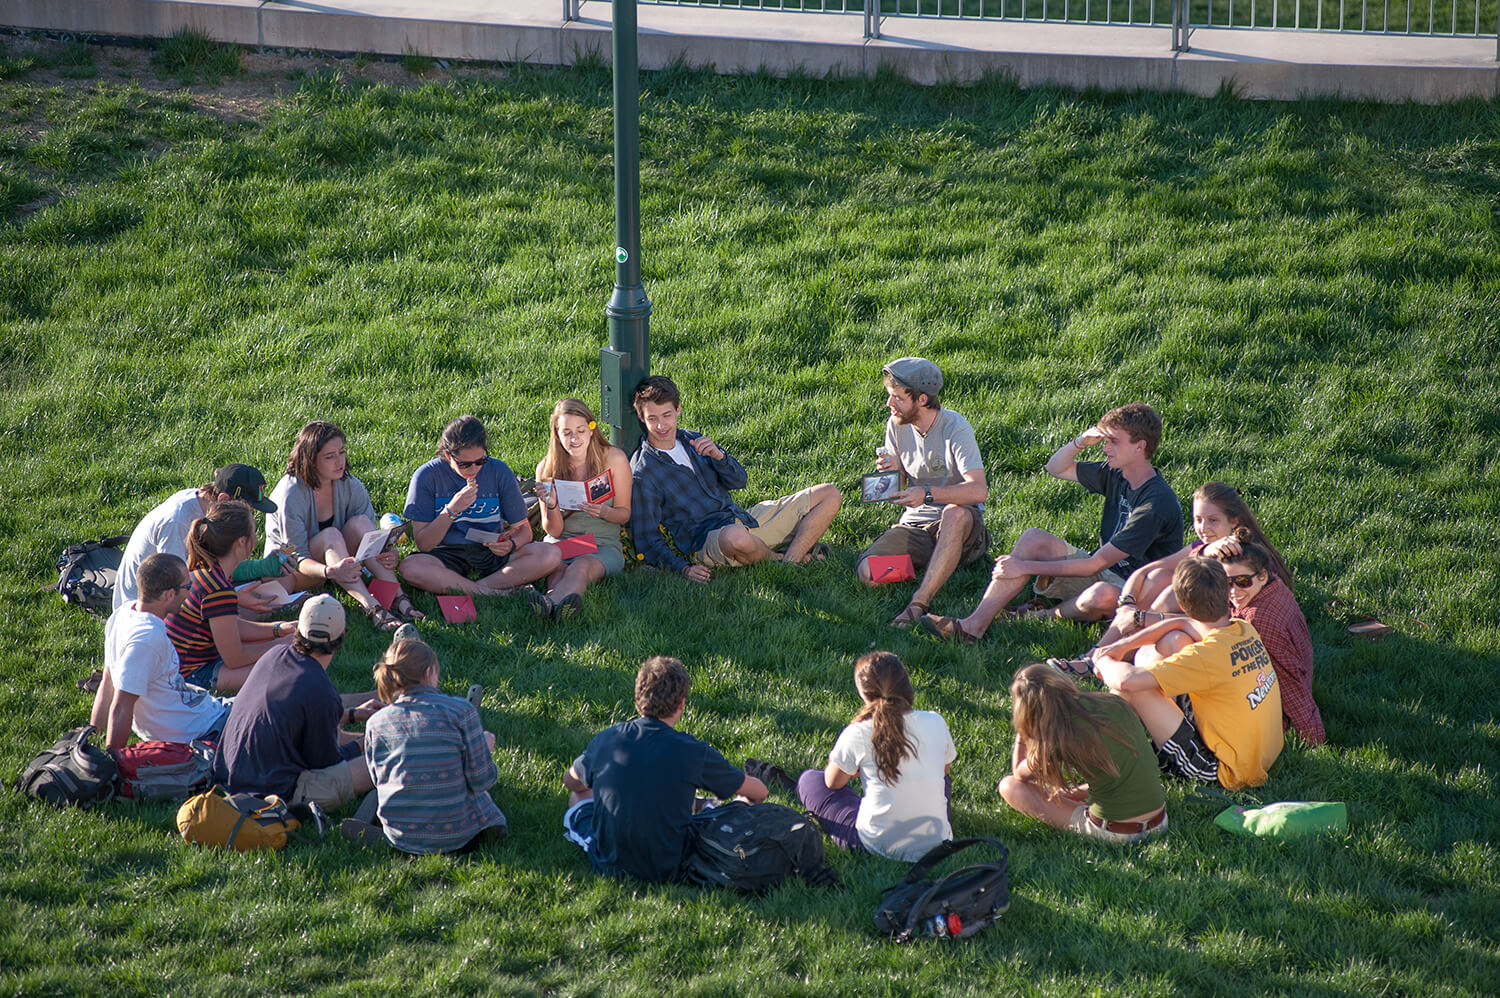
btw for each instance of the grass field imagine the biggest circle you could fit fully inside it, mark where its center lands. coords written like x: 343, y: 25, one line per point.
x: 1309, y: 293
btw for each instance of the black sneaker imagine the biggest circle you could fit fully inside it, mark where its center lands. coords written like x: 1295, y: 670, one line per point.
x: 541, y: 606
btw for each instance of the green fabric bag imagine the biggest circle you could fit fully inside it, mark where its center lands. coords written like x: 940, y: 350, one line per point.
x: 1285, y: 819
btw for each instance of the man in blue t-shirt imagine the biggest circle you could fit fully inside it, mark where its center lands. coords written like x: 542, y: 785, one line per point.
x: 1142, y: 522
x: 632, y: 789
x: 469, y: 523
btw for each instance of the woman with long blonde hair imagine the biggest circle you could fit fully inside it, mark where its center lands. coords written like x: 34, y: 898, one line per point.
x: 1081, y: 761
x: 577, y: 452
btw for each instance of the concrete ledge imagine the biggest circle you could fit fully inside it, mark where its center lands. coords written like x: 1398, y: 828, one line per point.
x: 1258, y: 64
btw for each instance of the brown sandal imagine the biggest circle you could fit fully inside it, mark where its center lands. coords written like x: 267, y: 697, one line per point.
x: 405, y: 610
x: 910, y: 616
x: 946, y: 629
x: 383, y: 619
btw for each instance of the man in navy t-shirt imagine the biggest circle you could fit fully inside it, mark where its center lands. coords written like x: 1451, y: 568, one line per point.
x: 1142, y: 522
x: 632, y: 789
x: 284, y: 733
x: 469, y: 523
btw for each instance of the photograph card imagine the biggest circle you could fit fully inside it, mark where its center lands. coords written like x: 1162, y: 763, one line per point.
x: 881, y: 486
x: 601, y: 488
x: 481, y: 536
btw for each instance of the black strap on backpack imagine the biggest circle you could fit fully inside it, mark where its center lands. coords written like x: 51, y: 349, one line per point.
x: 72, y: 772
x: 977, y: 894
x: 86, y: 573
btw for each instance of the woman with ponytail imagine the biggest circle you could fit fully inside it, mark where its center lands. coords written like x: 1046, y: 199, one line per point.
x: 1262, y: 597
x: 215, y: 648
x: 1082, y: 761
x: 902, y: 754
x: 432, y: 763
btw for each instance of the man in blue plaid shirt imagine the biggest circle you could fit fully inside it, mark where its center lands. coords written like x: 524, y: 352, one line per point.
x: 682, y: 484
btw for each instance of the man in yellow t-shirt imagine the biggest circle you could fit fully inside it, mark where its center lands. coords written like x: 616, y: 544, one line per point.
x: 1212, y: 707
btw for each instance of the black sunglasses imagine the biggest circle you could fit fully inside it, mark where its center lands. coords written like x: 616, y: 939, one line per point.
x: 460, y: 465
x: 1242, y: 581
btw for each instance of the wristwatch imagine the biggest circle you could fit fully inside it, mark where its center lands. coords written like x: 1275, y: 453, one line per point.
x: 927, y: 495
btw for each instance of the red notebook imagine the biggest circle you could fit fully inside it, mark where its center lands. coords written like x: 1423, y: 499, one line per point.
x: 384, y: 592
x: 572, y: 547
x: 457, y: 609
x: 891, y: 568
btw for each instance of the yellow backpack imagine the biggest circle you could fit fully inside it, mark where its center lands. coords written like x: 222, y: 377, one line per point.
x: 244, y: 822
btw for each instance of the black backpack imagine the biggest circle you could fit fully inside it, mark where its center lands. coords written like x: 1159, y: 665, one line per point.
x: 753, y: 847
x: 86, y: 573
x: 72, y: 771
x: 955, y: 905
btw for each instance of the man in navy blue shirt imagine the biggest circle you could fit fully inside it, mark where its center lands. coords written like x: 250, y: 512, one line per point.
x: 682, y: 484
x: 283, y: 735
x: 631, y: 791
x: 1142, y: 522
x: 469, y: 523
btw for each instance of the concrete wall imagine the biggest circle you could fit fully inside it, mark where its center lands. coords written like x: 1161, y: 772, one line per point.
x: 1256, y: 64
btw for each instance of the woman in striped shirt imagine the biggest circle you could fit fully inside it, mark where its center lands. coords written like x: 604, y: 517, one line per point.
x: 215, y: 648
x: 432, y: 763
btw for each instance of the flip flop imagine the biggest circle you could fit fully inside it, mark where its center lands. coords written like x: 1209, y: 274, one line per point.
x: 910, y: 616
x: 946, y: 629
x: 1369, y: 628
x: 1073, y: 668
x: 475, y: 694
x: 90, y: 683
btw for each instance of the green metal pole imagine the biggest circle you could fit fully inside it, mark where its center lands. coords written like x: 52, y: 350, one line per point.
x: 627, y: 359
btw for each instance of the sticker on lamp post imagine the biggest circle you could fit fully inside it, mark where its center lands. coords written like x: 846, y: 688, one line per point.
x: 620, y: 255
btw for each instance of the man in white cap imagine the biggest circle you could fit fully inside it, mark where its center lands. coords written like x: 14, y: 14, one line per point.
x: 284, y: 734
x: 942, y: 524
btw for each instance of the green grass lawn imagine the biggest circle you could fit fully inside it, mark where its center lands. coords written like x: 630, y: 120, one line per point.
x: 1309, y: 293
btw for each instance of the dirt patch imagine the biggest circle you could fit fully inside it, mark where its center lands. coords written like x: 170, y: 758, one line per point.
x: 265, y: 75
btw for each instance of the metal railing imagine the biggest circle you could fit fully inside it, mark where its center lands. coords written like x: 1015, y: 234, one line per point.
x: 1432, y: 18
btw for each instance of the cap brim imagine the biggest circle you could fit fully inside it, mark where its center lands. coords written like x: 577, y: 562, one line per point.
x: 264, y: 505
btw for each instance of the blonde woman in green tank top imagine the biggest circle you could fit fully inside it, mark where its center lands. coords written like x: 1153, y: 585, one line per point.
x: 577, y: 452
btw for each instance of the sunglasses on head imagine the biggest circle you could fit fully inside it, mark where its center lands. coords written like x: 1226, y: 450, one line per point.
x: 461, y: 465
x: 1242, y: 581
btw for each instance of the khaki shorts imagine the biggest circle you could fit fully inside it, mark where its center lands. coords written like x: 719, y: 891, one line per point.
x: 920, y: 541
x: 1081, y: 824
x: 777, y: 519
x: 331, y: 788
x: 1065, y: 587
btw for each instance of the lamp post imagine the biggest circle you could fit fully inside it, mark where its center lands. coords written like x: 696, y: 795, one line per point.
x: 627, y: 359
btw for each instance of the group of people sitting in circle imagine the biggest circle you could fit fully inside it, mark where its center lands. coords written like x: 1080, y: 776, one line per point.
x: 1205, y: 660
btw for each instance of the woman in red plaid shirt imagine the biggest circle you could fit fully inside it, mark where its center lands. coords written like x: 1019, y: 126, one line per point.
x: 1258, y: 596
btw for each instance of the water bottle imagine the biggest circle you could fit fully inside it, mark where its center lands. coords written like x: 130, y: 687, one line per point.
x: 943, y: 926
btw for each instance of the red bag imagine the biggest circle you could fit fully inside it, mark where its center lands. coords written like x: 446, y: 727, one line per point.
x: 165, y: 770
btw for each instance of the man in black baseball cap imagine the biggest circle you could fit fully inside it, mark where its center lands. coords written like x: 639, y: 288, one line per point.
x: 240, y: 481
x: 165, y: 528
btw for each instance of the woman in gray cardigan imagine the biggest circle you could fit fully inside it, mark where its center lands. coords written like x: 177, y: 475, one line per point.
x: 322, y: 513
